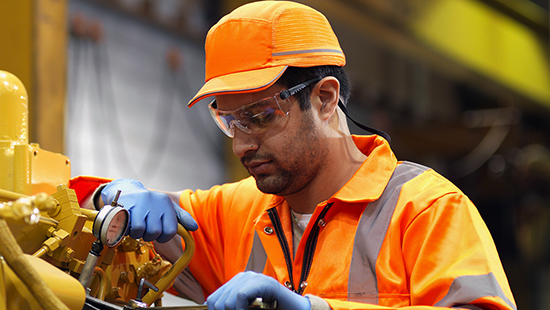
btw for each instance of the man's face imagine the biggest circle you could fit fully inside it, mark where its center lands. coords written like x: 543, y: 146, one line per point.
x: 285, y: 159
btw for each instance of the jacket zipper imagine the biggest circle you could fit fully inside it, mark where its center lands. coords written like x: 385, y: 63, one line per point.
x: 276, y: 221
x: 311, y: 244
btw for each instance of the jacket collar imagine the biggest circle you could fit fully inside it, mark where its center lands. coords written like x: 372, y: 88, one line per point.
x: 368, y: 183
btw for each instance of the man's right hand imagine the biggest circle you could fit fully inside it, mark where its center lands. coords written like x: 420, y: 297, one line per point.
x: 153, y: 215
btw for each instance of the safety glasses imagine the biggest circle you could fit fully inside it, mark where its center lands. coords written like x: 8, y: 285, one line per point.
x: 257, y: 117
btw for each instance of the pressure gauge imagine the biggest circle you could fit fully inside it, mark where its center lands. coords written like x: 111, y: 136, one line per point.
x: 110, y: 224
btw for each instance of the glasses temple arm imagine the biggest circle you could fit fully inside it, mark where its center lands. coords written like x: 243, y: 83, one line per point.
x: 294, y: 90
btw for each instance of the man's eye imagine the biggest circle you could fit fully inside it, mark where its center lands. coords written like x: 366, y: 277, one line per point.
x: 264, y: 113
x: 264, y: 116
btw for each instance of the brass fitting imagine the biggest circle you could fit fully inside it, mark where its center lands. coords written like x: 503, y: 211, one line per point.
x: 115, y: 292
x: 151, y: 268
x: 127, y: 276
x: 69, y: 253
x: 27, y: 208
x: 57, y: 238
x: 129, y: 245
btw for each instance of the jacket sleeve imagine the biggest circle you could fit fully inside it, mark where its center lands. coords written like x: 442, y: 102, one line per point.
x: 226, y: 228
x: 85, y: 187
x: 456, y: 263
x: 449, y: 257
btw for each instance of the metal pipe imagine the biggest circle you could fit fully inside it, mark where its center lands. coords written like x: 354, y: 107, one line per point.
x: 90, y: 214
x: 90, y: 264
x: 102, y: 282
x: 88, y: 270
x: 10, y: 196
x: 41, y: 252
x: 180, y: 264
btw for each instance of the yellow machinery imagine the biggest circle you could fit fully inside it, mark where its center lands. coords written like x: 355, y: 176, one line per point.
x: 47, y: 239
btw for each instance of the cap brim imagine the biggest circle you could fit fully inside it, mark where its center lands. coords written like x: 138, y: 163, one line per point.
x: 240, y: 82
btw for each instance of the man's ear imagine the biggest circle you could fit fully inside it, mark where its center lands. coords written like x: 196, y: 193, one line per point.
x: 325, y: 96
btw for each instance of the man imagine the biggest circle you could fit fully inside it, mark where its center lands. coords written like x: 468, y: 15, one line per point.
x: 327, y: 220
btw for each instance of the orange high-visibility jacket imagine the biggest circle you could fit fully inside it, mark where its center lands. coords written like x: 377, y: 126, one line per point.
x: 396, y: 235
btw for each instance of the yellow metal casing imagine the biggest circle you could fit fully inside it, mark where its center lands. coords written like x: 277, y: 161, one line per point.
x: 71, y: 222
x: 34, y: 47
x: 24, y: 167
x: 67, y: 288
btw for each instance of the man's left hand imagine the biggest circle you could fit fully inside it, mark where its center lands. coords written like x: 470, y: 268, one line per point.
x: 245, y: 287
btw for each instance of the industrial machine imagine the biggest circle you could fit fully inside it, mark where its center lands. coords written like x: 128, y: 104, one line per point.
x: 54, y: 254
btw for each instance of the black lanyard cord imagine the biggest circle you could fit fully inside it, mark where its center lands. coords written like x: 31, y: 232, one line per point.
x: 367, y: 128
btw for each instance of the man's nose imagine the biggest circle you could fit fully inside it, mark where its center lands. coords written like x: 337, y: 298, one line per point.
x: 243, y: 143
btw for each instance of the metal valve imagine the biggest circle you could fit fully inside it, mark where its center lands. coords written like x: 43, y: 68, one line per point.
x: 138, y: 303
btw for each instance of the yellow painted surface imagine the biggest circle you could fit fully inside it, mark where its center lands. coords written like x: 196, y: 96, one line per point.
x: 13, y: 103
x: 49, y: 170
x: 67, y: 288
x: 50, y: 72
x: 24, y: 167
x: 16, y: 44
x: 13, y: 129
x: 33, y: 46
x: 3, y: 298
x: 487, y: 42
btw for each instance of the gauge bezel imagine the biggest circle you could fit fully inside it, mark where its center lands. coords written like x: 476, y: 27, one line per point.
x: 102, y: 223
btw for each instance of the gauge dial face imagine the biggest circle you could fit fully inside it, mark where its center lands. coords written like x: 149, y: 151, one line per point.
x: 110, y: 225
x: 116, y: 228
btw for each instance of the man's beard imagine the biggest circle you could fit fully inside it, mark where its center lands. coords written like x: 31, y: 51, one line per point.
x: 284, y: 181
x: 304, y: 159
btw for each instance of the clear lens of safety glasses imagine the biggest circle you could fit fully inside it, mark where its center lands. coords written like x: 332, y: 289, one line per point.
x: 257, y: 117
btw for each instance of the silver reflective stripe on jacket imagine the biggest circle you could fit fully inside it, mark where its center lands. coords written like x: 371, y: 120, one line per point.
x: 466, y: 289
x: 371, y: 231
x: 258, y: 257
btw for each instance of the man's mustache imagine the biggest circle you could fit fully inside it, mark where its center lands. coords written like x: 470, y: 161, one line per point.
x: 250, y: 157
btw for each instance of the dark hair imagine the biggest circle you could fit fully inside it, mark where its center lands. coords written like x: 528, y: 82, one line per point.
x: 296, y: 75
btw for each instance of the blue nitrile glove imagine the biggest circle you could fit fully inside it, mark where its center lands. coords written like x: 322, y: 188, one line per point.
x: 240, y: 291
x: 153, y: 215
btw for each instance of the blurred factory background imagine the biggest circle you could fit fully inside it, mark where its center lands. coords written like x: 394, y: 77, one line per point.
x: 461, y: 85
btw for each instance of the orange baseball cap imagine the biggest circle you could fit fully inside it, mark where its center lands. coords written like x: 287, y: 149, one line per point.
x: 250, y: 48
